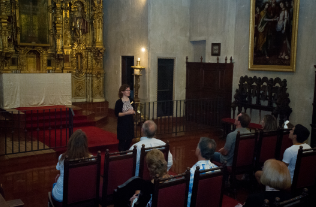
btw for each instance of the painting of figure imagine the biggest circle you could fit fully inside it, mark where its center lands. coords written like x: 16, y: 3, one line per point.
x: 273, y: 32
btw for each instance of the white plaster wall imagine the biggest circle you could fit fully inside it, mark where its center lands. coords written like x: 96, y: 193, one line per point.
x: 125, y: 33
x: 199, y: 48
x: 214, y: 21
x: 168, y: 37
x: 300, y: 83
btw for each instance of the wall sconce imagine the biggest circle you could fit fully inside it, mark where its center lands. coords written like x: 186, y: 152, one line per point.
x: 137, y: 73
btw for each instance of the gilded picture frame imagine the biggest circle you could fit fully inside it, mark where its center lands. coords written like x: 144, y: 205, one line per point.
x: 34, y: 21
x: 273, y: 35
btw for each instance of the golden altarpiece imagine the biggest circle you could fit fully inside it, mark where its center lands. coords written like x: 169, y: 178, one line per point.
x: 59, y: 36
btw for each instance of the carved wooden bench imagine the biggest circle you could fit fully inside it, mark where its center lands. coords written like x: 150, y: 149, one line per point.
x: 261, y: 94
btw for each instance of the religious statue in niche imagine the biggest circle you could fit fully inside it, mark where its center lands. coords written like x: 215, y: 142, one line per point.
x: 79, y: 24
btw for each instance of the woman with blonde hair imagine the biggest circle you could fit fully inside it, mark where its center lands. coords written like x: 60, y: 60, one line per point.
x: 77, y: 148
x: 157, y: 166
x: 276, y: 177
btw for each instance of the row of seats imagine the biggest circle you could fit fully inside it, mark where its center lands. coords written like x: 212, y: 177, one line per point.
x: 116, y: 169
x: 252, y: 150
x: 88, y: 181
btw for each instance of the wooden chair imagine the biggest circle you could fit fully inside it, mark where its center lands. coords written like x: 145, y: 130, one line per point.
x: 11, y: 203
x: 125, y: 191
x: 143, y: 170
x: 243, y: 161
x: 118, y: 168
x: 81, y: 182
x: 305, y: 170
x: 284, y: 142
x: 267, y: 147
x: 208, y: 188
x: 171, y: 191
x: 300, y: 200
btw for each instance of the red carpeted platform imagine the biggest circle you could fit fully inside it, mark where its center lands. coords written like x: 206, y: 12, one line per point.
x: 50, y: 125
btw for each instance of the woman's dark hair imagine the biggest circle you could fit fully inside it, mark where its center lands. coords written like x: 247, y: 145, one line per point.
x: 270, y: 123
x: 77, y: 146
x: 123, y: 88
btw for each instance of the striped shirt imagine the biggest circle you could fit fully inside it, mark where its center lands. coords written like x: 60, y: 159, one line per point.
x: 204, y: 165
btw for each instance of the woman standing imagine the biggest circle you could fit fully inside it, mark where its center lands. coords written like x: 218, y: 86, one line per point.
x: 124, y: 110
x: 263, y: 28
x: 282, y: 30
x: 77, y: 148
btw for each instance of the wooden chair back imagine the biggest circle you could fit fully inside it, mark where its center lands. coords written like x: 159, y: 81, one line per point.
x: 124, y: 192
x: 81, y: 181
x: 171, y: 191
x: 267, y: 146
x: 118, y: 168
x: 208, y: 187
x: 143, y: 170
x: 244, y: 152
x: 305, y: 170
x: 300, y: 200
x: 284, y: 142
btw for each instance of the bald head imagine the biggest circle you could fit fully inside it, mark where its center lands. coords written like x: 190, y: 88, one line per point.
x: 149, y: 129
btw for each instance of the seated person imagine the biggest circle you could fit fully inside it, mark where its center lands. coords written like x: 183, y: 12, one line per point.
x: 298, y: 135
x: 77, y: 148
x: 227, y: 152
x: 157, y: 166
x: 269, y: 123
x: 276, y: 177
x: 149, y: 129
x: 204, y: 151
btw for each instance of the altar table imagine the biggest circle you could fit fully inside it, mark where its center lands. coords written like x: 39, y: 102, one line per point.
x: 34, y: 89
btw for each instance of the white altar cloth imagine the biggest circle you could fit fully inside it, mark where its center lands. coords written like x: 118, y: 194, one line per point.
x: 34, y: 89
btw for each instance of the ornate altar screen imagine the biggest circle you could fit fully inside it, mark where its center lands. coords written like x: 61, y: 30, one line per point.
x: 33, y: 15
x: 60, y: 36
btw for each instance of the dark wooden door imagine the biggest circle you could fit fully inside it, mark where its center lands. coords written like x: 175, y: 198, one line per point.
x: 165, y: 87
x: 127, y: 72
x: 210, y: 81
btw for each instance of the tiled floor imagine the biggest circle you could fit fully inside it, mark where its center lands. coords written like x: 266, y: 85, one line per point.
x: 32, y: 181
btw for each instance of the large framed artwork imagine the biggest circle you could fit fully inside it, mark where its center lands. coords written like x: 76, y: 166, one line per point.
x: 33, y: 19
x: 273, y: 35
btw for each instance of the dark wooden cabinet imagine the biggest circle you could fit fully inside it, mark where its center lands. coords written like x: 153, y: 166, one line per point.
x: 313, y: 125
x: 210, y: 80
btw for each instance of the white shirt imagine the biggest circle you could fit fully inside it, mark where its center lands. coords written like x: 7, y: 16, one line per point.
x: 290, y: 156
x: 59, y: 187
x: 149, y: 142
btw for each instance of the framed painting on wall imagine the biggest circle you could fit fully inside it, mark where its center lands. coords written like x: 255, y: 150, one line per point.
x: 273, y: 35
x: 216, y: 49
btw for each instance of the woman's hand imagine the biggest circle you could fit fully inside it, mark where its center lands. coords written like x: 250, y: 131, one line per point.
x: 56, y: 178
x: 134, y: 196
x: 130, y: 112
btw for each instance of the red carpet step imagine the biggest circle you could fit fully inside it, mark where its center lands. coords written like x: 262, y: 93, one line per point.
x: 50, y: 125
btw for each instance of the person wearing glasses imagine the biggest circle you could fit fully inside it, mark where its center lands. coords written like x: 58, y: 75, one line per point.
x: 124, y: 111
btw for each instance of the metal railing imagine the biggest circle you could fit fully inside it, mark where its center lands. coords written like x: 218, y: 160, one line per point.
x: 175, y: 116
x: 34, y: 130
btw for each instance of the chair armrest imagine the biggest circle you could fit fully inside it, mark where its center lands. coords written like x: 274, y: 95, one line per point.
x: 3, y: 203
x: 15, y: 203
x: 50, y: 202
